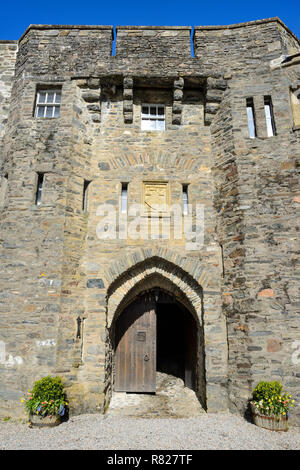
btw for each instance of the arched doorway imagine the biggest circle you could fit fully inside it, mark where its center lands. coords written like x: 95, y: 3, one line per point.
x: 155, y: 333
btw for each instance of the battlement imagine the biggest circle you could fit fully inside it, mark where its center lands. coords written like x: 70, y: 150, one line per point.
x: 260, y: 41
x: 79, y: 49
x: 153, y: 41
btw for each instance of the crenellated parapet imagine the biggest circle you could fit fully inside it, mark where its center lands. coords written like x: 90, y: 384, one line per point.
x: 63, y: 50
x: 153, y: 41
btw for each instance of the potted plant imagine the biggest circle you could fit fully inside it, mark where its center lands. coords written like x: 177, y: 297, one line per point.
x: 46, y: 402
x: 270, y: 406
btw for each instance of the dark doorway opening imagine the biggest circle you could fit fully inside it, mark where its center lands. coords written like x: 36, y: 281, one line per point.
x: 155, y: 333
x: 176, y: 342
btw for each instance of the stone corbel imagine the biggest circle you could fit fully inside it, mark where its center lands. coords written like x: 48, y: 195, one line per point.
x: 128, y: 100
x: 214, y: 94
x: 91, y: 94
x: 177, y: 100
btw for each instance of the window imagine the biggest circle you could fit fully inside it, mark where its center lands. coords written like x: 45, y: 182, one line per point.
x: 124, y: 198
x: 85, y: 196
x: 185, y: 199
x: 48, y: 104
x: 295, y: 102
x: 269, y: 116
x: 153, y: 117
x: 251, y: 118
x: 3, y: 189
x: 39, y: 190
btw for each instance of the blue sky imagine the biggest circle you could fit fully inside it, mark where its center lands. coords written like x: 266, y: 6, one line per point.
x: 17, y: 15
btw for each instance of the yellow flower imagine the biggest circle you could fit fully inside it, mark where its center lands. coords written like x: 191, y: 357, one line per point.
x: 283, y: 413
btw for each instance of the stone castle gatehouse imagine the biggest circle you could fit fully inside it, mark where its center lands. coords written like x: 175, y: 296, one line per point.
x: 150, y: 211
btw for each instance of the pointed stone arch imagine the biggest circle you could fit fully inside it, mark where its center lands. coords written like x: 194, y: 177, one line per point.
x: 180, y: 283
x: 190, y: 281
x: 194, y: 267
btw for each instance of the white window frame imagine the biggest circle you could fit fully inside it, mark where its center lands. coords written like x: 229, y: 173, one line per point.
x: 154, y: 118
x: 48, y: 105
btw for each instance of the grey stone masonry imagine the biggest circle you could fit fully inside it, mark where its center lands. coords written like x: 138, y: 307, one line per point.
x: 8, y: 51
x: 63, y: 286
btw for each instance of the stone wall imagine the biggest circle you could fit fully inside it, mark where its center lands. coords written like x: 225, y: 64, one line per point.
x: 63, y: 50
x: 153, y: 41
x: 8, y: 51
x: 244, y: 47
x: 56, y: 271
x: 257, y: 182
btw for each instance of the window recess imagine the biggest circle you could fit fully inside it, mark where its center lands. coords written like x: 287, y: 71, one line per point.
x: 251, y: 118
x: 39, y: 190
x: 124, y: 198
x: 185, y: 199
x: 270, y: 121
x: 153, y: 117
x: 48, y: 103
x: 85, y: 195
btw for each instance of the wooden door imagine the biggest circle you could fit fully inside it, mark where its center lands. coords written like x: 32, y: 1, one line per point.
x: 135, y: 358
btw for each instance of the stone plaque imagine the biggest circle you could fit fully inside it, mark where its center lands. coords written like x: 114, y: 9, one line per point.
x: 156, y: 197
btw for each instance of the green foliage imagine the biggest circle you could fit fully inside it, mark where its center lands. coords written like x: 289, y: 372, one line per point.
x: 48, y: 388
x: 47, y: 397
x: 270, y: 400
x: 266, y: 390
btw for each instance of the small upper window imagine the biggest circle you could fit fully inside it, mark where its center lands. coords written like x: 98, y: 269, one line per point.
x: 185, y: 199
x: 295, y: 101
x: 270, y: 121
x: 39, y: 189
x: 153, y: 117
x: 251, y: 118
x: 48, y: 104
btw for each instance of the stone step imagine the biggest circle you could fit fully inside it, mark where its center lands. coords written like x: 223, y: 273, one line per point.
x: 172, y: 400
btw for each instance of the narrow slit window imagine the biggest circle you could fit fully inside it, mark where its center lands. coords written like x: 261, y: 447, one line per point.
x: 85, y: 195
x: 48, y: 103
x: 39, y: 190
x: 124, y: 198
x: 251, y: 118
x: 185, y: 199
x: 270, y: 121
x: 222, y: 256
x: 3, y: 189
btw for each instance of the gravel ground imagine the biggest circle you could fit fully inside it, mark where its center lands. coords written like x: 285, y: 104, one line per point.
x: 93, y: 432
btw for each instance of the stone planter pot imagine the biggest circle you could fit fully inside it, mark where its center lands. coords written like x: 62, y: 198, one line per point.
x: 273, y: 423
x: 44, y: 421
